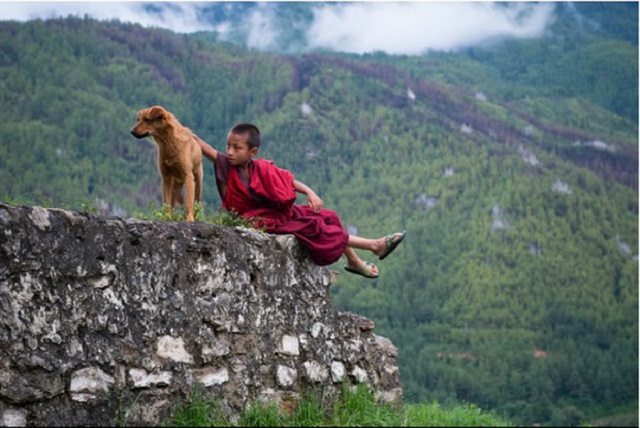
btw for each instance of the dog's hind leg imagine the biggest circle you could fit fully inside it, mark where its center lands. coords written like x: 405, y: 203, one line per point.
x: 198, y: 176
x: 176, y: 196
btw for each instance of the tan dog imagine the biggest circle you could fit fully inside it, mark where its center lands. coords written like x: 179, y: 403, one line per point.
x: 179, y: 156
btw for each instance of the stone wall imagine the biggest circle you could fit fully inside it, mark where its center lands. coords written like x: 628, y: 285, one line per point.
x: 106, y: 321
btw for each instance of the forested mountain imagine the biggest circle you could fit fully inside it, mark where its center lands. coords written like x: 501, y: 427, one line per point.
x: 513, y: 168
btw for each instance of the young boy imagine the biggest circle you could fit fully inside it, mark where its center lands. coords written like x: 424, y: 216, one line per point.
x: 264, y: 193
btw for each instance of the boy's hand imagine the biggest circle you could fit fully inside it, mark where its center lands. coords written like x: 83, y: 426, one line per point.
x: 314, y: 201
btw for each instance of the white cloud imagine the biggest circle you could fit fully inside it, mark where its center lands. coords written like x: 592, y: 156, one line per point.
x: 179, y: 17
x: 263, y: 34
x: 415, y: 28
x: 393, y: 27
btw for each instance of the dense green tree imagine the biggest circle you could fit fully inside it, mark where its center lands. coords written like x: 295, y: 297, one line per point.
x: 516, y: 287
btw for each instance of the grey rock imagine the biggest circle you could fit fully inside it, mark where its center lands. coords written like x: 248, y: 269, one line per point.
x: 106, y: 321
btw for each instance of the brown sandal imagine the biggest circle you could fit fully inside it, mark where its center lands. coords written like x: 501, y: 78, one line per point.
x: 392, y: 241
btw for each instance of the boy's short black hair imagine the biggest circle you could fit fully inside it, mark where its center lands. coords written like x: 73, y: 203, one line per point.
x: 248, y: 128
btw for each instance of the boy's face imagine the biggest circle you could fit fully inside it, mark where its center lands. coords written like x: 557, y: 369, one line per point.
x: 238, y: 151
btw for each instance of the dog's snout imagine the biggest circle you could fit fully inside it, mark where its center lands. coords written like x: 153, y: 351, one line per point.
x: 137, y: 134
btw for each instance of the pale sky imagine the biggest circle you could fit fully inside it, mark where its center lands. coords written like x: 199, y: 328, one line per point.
x: 355, y: 27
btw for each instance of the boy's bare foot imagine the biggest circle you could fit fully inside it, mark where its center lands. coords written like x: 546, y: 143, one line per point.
x: 366, y: 269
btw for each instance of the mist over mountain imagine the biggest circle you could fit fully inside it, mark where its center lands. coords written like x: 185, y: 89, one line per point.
x: 410, y: 28
x: 512, y: 164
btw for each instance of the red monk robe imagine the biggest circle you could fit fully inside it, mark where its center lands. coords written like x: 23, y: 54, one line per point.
x: 268, y: 194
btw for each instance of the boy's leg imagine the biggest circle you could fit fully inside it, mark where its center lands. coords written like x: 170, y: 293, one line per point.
x: 378, y: 246
x: 355, y: 262
x: 365, y: 243
x: 352, y: 257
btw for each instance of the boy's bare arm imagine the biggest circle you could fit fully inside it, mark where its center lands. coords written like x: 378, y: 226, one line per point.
x: 314, y: 201
x: 208, y: 151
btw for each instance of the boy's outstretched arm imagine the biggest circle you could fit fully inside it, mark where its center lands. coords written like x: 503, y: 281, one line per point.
x: 314, y: 201
x: 208, y: 151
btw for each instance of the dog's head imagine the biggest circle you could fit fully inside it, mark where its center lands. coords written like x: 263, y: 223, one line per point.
x: 149, y: 121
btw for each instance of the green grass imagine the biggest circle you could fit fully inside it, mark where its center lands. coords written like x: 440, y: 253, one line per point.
x: 356, y: 408
x: 30, y: 200
x: 163, y: 213
x: 220, y: 217
x: 624, y: 415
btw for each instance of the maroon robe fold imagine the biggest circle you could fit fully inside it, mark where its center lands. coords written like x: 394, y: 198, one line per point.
x: 267, y: 197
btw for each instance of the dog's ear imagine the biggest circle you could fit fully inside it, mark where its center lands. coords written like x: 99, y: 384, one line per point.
x: 156, y: 113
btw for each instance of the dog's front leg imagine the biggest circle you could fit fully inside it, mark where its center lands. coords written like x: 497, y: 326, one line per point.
x: 190, y: 185
x: 167, y: 198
